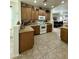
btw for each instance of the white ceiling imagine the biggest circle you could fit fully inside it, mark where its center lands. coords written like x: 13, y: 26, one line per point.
x: 61, y: 8
x: 41, y: 4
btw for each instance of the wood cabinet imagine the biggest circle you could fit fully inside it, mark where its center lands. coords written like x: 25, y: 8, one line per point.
x: 49, y: 27
x: 64, y: 34
x: 47, y: 16
x: 44, y: 13
x: 36, y: 29
x: 28, y: 14
x: 26, y: 40
x: 34, y: 14
x: 25, y: 13
x: 40, y: 12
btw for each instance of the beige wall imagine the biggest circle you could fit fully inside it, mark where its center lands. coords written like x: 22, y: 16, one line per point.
x: 51, y: 16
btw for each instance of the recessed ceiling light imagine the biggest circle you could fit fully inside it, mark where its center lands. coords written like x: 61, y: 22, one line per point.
x: 35, y: 1
x: 45, y: 4
x: 62, y: 2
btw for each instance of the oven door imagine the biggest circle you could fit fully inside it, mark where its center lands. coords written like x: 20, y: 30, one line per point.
x: 43, y: 29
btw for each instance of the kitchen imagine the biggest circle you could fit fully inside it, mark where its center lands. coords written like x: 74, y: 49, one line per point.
x: 34, y: 21
x: 35, y: 16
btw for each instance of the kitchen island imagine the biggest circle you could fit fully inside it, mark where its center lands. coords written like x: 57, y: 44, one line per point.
x: 26, y: 39
x: 64, y: 33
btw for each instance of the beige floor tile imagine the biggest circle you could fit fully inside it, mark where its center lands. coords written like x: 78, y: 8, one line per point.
x: 47, y: 46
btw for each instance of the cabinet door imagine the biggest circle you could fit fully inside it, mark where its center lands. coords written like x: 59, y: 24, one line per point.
x: 28, y: 14
x: 40, y: 13
x: 43, y: 13
x: 64, y: 34
x: 49, y: 27
x: 26, y: 41
x: 36, y: 29
x: 34, y: 15
x: 47, y: 16
x: 23, y: 13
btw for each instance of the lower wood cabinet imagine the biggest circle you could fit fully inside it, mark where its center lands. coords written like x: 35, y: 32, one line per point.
x: 26, y: 41
x: 64, y: 35
x: 36, y: 29
x: 49, y: 27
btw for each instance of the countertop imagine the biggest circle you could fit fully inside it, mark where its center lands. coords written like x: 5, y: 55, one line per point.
x: 26, y: 29
x: 29, y: 28
x: 65, y: 26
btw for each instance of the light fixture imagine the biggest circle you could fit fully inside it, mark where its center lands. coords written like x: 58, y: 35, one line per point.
x: 45, y: 4
x: 62, y: 2
x: 35, y: 1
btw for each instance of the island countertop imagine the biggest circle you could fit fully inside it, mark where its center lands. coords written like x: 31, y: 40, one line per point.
x: 26, y: 29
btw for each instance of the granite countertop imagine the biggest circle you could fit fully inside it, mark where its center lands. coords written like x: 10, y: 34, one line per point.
x: 26, y: 29
x: 65, y: 26
x: 37, y: 24
x: 34, y: 24
x: 29, y: 28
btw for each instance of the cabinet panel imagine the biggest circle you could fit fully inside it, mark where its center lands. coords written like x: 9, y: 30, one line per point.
x: 26, y: 41
x: 49, y: 27
x: 47, y: 16
x: 40, y: 13
x: 28, y: 14
x: 64, y: 35
x: 43, y: 12
x: 34, y: 15
x: 23, y: 13
x: 36, y: 29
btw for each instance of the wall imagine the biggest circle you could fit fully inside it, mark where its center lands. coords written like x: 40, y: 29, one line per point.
x: 14, y: 30
x: 51, y: 17
x: 15, y: 12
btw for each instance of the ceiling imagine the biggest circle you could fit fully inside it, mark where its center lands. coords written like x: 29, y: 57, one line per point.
x: 61, y: 8
x: 41, y: 4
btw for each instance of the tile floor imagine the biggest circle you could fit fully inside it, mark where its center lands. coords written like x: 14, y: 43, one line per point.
x: 47, y: 46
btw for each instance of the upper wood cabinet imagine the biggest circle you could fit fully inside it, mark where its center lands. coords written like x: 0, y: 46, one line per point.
x: 47, y: 16
x: 28, y: 13
x: 34, y: 14
x: 44, y: 13
x: 40, y: 12
x: 23, y: 13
